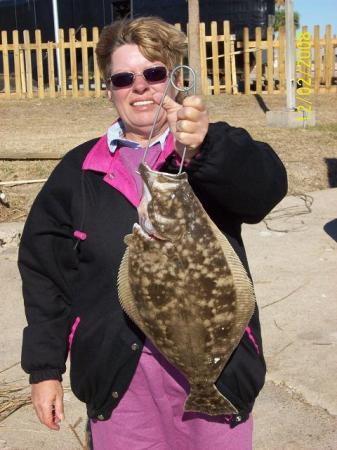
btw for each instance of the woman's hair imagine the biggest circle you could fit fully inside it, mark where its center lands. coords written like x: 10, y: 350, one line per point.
x: 157, y: 41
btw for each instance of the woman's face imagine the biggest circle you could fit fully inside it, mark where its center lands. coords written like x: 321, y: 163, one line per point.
x: 134, y: 103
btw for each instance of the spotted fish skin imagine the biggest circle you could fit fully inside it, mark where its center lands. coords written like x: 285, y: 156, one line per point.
x: 188, y: 290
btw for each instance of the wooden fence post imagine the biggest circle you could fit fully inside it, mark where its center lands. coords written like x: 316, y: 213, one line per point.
x: 97, y: 75
x: 51, y: 72
x: 7, y: 83
x: 73, y: 62
x: 63, y: 81
x: 85, y: 67
x: 270, y: 60
x: 246, y: 66
x: 215, y: 57
x: 39, y: 60
x: 258, y: 70
x: 28, y: 59
x: 227, y: 52
x: 317, y: 59
x: 203, y: 60
x: 328, y: 57
x: 17, y: 71
x: 281, y: 60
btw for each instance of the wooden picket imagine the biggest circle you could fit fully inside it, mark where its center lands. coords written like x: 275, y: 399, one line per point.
x: 29, y: 67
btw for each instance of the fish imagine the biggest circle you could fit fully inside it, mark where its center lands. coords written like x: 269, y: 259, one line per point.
x: 183, y: 285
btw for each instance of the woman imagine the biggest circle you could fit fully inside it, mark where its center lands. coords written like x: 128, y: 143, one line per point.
x: 72, y: 246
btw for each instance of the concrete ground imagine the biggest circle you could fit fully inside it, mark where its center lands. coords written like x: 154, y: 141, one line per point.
x: 293, y: 260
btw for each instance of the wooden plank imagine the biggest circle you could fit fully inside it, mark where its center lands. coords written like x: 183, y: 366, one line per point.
x: 258, y: 54
x: 215, y: 58
x: 227, y: 52
x: 17, y: 71
x: 317, y: 59
x: 22, y: 72
x: 328, y: 57
x: 51, y: 71
x: 17, y: 156
x: 281, y: 60
x: 203, y: 61
x: 246, y: 66
x: 85, y: 64
x: 63, y: 81
x: 270, y: 60
x: 28, y: 60
x: 73, y: 62
x: 97, y: 76
x: 39, y: 61
x: 233, y: 69
x: 7, y: 83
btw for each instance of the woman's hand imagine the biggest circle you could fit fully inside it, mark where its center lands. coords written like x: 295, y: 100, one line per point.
x: 188, y: 122
x: 47, y: 398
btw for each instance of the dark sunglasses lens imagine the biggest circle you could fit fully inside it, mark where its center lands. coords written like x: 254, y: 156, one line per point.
x: 155, y: 74
x: 122, y: 79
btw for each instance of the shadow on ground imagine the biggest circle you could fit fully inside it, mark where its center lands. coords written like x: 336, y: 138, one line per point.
x: 331, y: 164
x: 331, y: 229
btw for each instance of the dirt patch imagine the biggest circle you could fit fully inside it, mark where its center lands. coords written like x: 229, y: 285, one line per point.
x: 57, y: 125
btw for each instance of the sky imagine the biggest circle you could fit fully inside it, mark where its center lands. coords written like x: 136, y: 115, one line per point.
x: 321, y: 12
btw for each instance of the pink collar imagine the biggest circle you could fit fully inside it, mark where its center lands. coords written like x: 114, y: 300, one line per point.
x: 100, y: 159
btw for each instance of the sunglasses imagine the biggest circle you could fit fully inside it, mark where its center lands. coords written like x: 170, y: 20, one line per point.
x: 155, y: 74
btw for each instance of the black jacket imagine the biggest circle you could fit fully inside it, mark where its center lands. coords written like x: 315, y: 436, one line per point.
x: 236, y: 179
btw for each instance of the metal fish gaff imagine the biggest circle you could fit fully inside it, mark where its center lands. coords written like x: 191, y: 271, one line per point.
x: 184, y: 286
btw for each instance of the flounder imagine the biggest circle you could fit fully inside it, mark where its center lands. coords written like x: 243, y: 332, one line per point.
x: 184, y: 286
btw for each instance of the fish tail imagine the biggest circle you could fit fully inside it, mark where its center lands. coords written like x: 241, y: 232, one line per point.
x: 206, y: 398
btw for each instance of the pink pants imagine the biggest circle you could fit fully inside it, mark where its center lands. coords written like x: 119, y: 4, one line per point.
x: 150, y: 416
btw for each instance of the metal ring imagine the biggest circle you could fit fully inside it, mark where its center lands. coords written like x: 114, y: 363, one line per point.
x: 191, y: 86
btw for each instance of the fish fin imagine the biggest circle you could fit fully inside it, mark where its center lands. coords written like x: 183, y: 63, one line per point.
x: 207, y: 399
x: 242, y: 283
x: 127, y: 239
x: 125, y: 295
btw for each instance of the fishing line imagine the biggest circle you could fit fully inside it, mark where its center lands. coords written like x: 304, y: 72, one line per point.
x: 171, y: 82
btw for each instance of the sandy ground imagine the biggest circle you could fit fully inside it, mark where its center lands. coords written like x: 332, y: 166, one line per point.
x: 57, y: 125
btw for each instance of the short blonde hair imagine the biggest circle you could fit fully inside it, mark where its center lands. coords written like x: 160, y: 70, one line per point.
x: 157, y: 41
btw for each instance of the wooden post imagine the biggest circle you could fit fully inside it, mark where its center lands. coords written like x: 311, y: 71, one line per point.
x: 17, y: 64
x: 85, y: 66
x: 7, y: 82
x: 97, y: 76
x: 215, y: 58
x: 246, y: 66
x: 22, y: 72
x: 73, y: 62
x: 28, y: 59
x: 233, y: 66
x: 227, y: 51
x: 63, y: 81
x: 40, y: 80
x: 51, y: 72
x: 258, y: 60
x: 328, y: 57
x: 317, y: 59
x: 203, y: 60
x: 281, y: 60
x: 270, y: 60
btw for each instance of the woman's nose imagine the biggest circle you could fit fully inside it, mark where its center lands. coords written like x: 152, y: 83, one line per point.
x: 140, y: 84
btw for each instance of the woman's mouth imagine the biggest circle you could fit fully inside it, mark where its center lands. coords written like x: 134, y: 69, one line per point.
x: 142, y: 103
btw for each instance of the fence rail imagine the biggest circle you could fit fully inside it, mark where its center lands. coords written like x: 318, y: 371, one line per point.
x: 28, y: 66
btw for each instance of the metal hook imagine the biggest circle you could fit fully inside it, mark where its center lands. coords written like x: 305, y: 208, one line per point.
x: 171, y: 81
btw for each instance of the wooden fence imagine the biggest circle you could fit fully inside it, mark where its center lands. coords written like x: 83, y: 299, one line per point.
x: 28, y: 66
